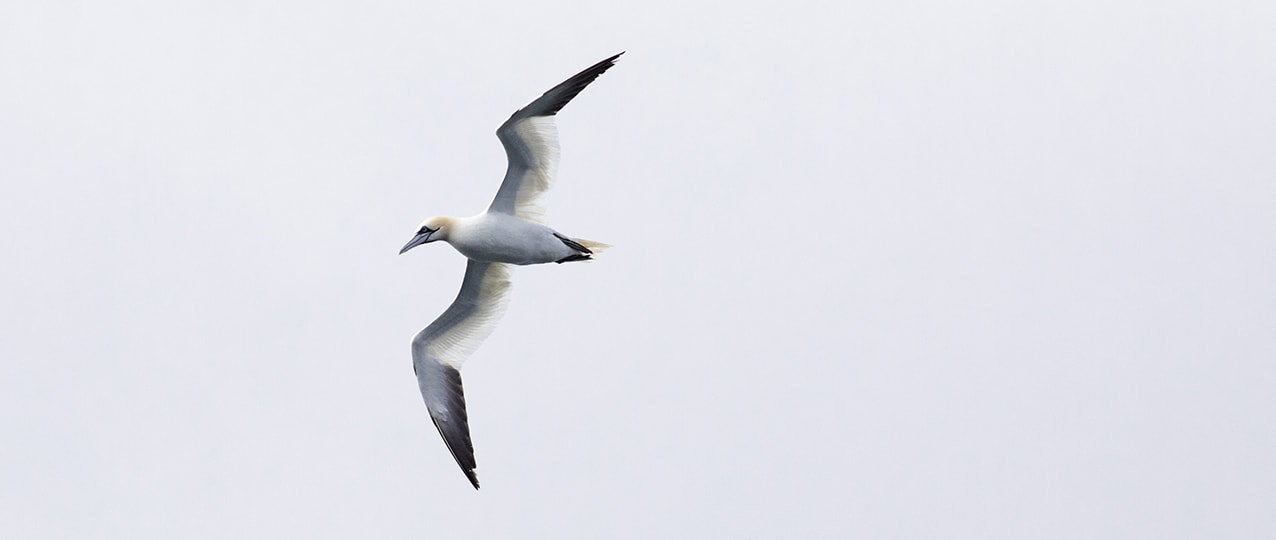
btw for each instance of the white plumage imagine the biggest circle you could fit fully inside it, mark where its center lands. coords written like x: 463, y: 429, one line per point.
x: 512, y: 231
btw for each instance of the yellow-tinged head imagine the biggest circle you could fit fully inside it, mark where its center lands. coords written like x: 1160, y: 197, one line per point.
x: 435, y: 228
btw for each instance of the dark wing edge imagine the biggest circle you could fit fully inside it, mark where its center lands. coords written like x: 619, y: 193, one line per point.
x: 557, y: 97
x: 454, y: 424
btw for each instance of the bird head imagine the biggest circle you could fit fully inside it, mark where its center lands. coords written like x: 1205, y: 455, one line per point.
x: 435, y: 228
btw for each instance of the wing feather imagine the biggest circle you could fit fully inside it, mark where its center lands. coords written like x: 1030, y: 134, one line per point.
x: 439, y: 350
x: 530, y: 138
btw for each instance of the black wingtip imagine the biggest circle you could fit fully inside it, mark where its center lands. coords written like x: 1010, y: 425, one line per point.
x: 456, y: 428
x: 574, y: 85
x: 471, y: 476
x: 559, y: 96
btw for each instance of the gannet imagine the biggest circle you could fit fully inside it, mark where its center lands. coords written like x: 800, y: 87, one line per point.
x: 511, y: 231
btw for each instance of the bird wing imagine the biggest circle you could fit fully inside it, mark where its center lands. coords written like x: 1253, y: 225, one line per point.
x: 531, y: 144
x: 439, y: 350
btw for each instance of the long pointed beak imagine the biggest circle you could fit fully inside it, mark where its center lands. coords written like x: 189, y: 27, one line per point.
x: 416, y: 241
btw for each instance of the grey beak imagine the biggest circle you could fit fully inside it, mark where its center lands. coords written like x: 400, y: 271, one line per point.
x: 416, y: 241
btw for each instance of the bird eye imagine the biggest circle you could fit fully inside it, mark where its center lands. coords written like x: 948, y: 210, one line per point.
x: 425, y: 230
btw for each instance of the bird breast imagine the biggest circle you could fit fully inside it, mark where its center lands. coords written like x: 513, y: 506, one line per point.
x: 506, y: 239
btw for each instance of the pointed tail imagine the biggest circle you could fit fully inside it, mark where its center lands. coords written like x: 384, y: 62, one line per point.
x: 592, y: 246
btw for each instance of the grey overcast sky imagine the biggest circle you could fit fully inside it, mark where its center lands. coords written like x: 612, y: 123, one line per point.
x: 916, y: 269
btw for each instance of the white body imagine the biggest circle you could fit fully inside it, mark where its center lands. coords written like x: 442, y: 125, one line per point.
x: 502, y: 238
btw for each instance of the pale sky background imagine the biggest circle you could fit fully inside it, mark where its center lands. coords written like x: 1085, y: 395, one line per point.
x: 882, y: 270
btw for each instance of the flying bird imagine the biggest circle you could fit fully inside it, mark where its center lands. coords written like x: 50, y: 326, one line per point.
x: 511, y: 231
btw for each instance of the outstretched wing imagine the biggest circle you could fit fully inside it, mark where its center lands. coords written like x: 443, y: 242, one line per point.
x: 531, y: 144
x: 439, y: 350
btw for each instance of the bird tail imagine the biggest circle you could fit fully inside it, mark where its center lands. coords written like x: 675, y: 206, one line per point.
x: 592, y: 246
